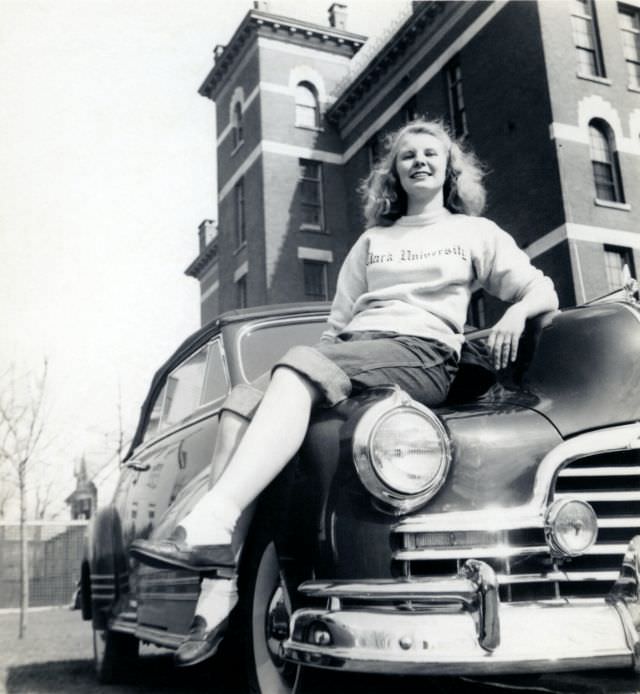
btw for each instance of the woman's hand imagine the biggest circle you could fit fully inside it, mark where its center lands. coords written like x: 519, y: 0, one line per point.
x: 505, y: 335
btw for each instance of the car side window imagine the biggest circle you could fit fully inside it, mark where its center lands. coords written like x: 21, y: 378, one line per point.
x: 153, y: 425
x: 184, y: 389
x: 216, y: 382
x: 263, y: 345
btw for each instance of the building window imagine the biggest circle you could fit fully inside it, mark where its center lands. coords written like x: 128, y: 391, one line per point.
x: 238, y: 192
x: 315, y: 280
x: 241, y: 292
x: 457, y: 110
x: 374, y: 150
x: 477, y: 315
x: 604, y: 160
x: 307, y: 106
x: 615, y: 258
x: 238, y: 126
x: 585, y: 37
x: 629, y: 18
x: 410, y: 109
x: 312, y: 216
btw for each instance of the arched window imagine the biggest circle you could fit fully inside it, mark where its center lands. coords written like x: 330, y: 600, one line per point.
x: 604, y: 160
x: 238, y: 134
x: 307, y: 107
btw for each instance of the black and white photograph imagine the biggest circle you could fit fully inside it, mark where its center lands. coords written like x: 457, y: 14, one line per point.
x: 320, y: 360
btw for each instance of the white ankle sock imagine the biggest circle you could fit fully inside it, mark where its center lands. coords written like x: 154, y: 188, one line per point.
x: 218, y: 596
x: 211, y: 522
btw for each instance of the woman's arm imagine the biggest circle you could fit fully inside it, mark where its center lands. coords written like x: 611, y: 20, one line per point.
x: 351, y: 284
x: 506, y: 272
x: 505, y: 334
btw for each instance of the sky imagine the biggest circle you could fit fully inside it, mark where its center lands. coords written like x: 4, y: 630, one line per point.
x: 107, y: 168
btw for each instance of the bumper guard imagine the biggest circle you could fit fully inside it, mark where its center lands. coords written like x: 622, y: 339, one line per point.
x: 458, y: 626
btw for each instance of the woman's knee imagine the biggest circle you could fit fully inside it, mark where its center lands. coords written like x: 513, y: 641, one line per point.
x: 287, y: 378
x: 243, y: 401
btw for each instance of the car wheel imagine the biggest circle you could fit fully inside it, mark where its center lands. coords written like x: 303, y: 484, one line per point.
x: 265, y: 608
x: 113, y: 654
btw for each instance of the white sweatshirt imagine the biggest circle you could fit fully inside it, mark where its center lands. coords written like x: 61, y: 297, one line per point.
x: 416, y: 277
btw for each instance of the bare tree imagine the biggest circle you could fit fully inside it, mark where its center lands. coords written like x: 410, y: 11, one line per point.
x: 22, y: 424
x: 43, y: 495
x: 6, y: 489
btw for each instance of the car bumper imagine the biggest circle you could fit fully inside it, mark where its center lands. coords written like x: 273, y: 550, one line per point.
x: 458, y: 627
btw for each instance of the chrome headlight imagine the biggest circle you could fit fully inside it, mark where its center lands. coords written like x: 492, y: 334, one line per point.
x: 401, y: 451
x: 571, y: 527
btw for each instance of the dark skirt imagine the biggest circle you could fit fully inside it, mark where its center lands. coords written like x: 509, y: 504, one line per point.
x: 422, y: 367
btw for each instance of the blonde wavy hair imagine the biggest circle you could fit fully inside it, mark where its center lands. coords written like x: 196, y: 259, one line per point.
x: 385, y: 200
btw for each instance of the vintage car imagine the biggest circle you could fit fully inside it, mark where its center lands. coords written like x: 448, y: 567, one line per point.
x: 497, y: 534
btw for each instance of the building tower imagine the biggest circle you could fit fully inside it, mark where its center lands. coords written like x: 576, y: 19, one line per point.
x: 279, y: 163
x: 84, y: 498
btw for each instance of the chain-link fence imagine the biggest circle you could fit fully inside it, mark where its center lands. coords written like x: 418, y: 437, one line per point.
x: 54, y: 552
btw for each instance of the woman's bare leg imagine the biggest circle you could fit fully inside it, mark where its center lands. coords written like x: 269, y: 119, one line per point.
x: 259, y: 450
x: 272, y: 438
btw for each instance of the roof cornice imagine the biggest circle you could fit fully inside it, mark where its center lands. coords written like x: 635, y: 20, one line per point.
x: 204, y: 261
x: 280, y: 28
x: 389, y: 56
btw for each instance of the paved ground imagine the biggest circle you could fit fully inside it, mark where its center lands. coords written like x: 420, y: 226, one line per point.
x: 56, y: 658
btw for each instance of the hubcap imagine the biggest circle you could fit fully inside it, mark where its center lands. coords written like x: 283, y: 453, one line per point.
x: 270, y: 626
x: 277, y: 626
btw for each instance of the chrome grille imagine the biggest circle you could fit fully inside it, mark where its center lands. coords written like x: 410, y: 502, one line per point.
x: 610, y: 482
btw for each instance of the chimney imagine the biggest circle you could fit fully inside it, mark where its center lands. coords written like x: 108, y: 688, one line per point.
x: 338, y: 16
x: 207, y: 231
x: 261, y: 5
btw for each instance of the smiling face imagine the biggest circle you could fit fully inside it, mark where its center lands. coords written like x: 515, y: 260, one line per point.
x: 421, y: 165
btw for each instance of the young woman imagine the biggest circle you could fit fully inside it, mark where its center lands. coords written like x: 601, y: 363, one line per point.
x: 397, y: 317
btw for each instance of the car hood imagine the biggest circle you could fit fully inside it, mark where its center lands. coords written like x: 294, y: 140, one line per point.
x: 582, y: 371
x: 496, y: 451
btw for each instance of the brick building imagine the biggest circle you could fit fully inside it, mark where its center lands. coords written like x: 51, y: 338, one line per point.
x: 547, y: 93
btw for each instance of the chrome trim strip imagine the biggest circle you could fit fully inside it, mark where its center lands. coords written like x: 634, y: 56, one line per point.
x: 530, y: 515
x: 169, y: 581
x: 612, y: 471
x: 610, y: 548
x: 599, y: 496
x: 495, y: 551
x: 167, y: 596
x: 557, y: 576
x: 450, y: 589
x: 619, y: 522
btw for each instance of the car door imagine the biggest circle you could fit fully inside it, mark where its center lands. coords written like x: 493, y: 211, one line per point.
x: 187, y: 429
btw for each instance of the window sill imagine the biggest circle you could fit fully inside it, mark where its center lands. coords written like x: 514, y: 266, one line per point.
x: 314, y: 228
x: 313, y: 128
x: 615, y: 205
x: 242, y: 246
x: 594, y: 78
x: 633, y: 88
x: 236, y: 148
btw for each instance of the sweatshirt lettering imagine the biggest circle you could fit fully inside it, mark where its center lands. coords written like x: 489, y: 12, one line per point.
x: 409, y: 255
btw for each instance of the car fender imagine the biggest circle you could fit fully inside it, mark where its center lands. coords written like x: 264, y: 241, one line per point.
x: 107, y: 565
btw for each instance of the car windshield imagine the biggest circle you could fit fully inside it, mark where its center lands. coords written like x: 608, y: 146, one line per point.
x: 263, y: 344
